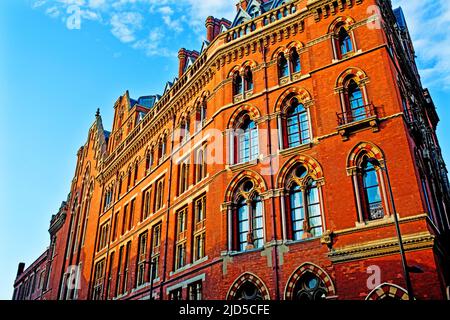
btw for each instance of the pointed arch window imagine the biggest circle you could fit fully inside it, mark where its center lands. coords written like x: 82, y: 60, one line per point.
x: 283, y: 66
x: 185, y: 130
x: 162, y: 148
x: 297, y: 124
x: 250, y: 225
x: 237, y: 84
x: 136, y: 172
x: 248, y: 230
x: 248, y: 77
x: 183, y: 178
x: 303, y: 203
x: 355, y: 101
x: 148, y: 160
x: 248, y: 292
x: 370, y: 183
x: 345, y: 42
x: 310, y: 288
x: 295, y: 58
x: 200, y: 169
x: 159, y: 195
x: 246, y: 140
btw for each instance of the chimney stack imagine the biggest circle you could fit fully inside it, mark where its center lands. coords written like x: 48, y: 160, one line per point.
x: 182, y: 61
x: 210, y: 28
x: 213, y: 26
x: 244, y: 4
x: 20, y: 269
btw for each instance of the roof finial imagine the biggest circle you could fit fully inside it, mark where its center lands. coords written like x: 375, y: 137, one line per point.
x: 97, y: 114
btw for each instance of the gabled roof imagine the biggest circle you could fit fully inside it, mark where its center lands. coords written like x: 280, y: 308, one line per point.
x: 241, y: 16
x: 205, y: 44
x: 190, y: 61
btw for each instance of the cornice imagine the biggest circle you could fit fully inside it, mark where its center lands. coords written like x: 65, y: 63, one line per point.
x: 381, y: 247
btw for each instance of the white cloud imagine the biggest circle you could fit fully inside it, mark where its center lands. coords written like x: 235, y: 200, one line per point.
x: 53, y: 12
x: 166, y: 10
x: 428, y: 22
x: 125, y: 24
x: 152, y: 44
x: 172, y: 24
x: 95, y: 4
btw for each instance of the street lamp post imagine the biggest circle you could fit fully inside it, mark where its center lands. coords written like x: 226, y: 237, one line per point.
x: 152, y: 265
x: 406, y: 274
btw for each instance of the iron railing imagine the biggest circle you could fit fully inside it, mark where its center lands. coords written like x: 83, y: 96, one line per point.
x: 356, y: 114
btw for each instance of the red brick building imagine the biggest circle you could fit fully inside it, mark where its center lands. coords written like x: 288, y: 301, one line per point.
x: 265, y: 170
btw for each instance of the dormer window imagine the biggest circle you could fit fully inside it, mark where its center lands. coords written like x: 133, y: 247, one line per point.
x: 254, y: 12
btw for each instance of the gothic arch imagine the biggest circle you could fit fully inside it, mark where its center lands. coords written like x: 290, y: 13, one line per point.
x: 249, y: 63
x: 252, y: 111
x: 388, y: 290
x: 295, y: 44
x: 233, y: 71
x: 302, y: 94
x: 314, y: 168
x: 302, y: 270
x: 347, y: 22
x: 353, y: 72
x: 281, y: 49
x: 258, y: 181
x: 248, y: 277
x: 368, y: 148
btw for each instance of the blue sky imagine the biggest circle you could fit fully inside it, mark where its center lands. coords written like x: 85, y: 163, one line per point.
x: 55, y: 73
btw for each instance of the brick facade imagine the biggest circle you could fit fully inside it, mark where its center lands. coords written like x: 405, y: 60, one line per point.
x: 201, y: 255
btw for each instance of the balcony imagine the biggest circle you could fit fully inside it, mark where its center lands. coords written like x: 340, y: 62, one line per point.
x: 357, y: 119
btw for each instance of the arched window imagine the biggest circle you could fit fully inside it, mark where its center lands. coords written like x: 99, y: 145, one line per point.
x: 309, y: 288
x: 283, y: 66
x: 129, y: 179
x: 246, y: 140
x: 183, y: 178
x: 120, y: 185
x: 237, y: 84
x: 185, y: 130
x: 200, y: 115
x: 355, y: 102
x: 200, y: 172
x: 149, y: 160
x: 203, y: 111
x: 162, y: 148
x: 295, y: 59
x: 373, y: 204
x: 305, y: 215
x: 159, y: 195
x: 248, y: 292
x: 136, y: 172
x: 297, y: 124
x: 249, y: 219
x: 242, y: 224
x: 248, y: 77
x: 344, y: 41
